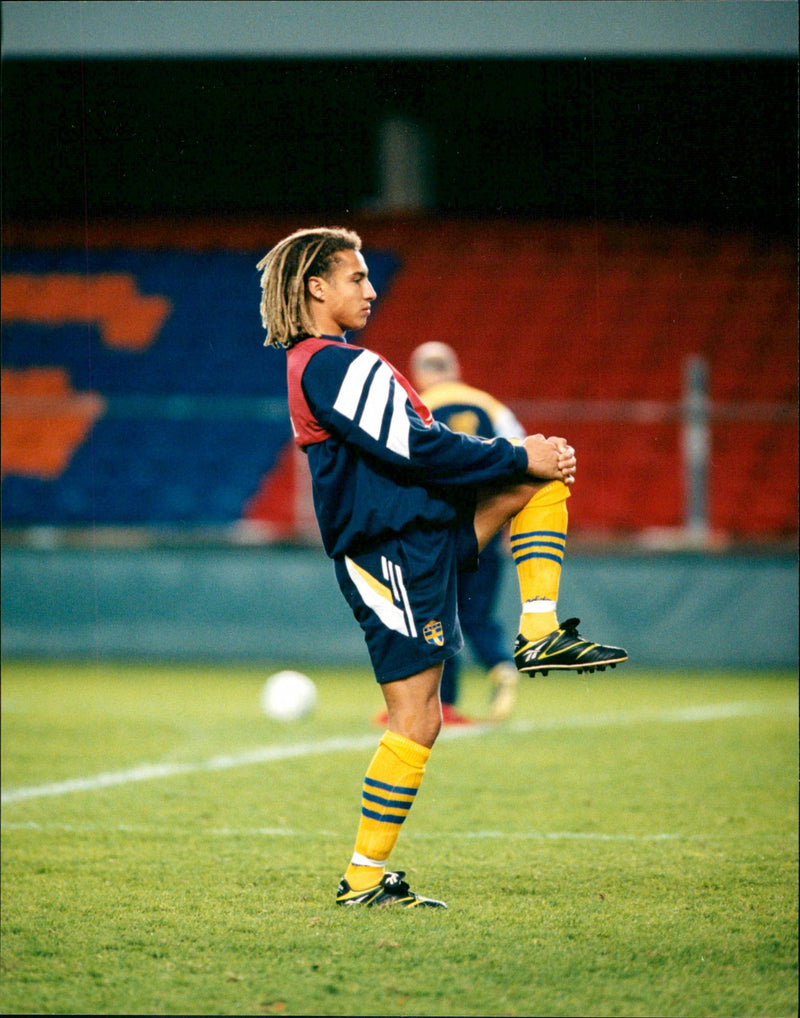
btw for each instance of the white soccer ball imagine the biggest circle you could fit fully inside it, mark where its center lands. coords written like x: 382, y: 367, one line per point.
x: 288, y: 696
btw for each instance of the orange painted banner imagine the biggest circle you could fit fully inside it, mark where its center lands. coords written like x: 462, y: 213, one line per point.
x: 127, y: 319
x: 43, y: 421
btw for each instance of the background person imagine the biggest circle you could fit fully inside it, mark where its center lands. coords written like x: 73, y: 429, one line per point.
x: 436, y: 374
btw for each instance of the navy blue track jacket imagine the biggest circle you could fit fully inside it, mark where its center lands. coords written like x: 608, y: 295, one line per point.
x: 379, y: 462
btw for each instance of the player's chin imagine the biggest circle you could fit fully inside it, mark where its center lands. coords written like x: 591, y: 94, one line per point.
x: 356, y: 323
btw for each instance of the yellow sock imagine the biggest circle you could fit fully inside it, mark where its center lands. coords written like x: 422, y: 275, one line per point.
x: 391, y: 782
x: 538, y: 538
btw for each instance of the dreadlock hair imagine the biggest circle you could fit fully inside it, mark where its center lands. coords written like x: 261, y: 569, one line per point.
x: 286, y: 270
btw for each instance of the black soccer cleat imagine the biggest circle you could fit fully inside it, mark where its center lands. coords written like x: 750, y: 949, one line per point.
x: 565, y: 650
x: 392, y: 890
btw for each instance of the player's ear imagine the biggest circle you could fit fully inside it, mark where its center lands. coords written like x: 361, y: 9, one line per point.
x: 316, y: 287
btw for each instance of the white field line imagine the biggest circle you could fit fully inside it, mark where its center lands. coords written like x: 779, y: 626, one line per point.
x: 274, y: 754
x: 287, y: 832
x: 680, y: 715
x: 148, y: 772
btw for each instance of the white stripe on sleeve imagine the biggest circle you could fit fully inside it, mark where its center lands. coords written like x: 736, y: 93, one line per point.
x: 382, y: 389
x: 371, y: 419
x: 353, y: 383
x: 399, y: 428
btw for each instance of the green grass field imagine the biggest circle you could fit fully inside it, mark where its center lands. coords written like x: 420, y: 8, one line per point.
x: 626, y: 845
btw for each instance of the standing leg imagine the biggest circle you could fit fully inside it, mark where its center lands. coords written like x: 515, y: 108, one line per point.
x: 390, y: 787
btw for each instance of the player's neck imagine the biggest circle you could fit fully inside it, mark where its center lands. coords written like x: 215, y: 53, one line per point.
x: 325, y: 325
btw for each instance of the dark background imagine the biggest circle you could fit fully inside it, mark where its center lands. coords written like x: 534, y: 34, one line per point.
x: 676, y: 140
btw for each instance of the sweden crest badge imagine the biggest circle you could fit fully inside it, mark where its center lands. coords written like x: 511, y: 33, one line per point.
x: 434, y: 633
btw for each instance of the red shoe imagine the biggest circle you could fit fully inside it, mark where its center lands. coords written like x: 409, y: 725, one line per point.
x: 450, y: 716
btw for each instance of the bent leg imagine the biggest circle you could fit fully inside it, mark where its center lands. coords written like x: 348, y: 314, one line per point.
x: 538, y: 542
x: 496, y: 508
x: 538, y: 538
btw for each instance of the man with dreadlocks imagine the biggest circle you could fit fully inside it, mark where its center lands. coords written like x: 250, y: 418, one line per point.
x: 403, y: 503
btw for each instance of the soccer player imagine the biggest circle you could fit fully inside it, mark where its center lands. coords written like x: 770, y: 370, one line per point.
x: 436, y: 375
x: 402, y: 504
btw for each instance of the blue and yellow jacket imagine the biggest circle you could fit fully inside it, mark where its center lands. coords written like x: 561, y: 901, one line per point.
x: 471, y: 411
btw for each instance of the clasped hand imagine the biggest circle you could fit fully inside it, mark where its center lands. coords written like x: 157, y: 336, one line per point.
x: 550, y: 459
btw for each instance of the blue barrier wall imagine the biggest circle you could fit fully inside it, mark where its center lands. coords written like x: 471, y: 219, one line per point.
x: 681, y: 610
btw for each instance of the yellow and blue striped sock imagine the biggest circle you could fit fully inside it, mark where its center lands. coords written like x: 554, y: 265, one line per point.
x: 390, y: 786
x: 538, y: 539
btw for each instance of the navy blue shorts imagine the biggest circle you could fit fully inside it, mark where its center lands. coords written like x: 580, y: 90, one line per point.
x: 403, y: 593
